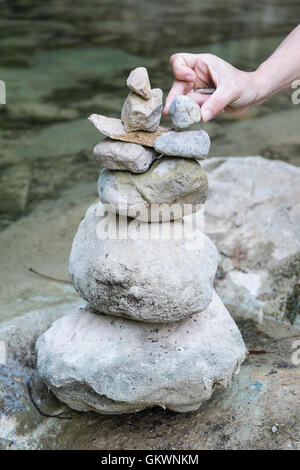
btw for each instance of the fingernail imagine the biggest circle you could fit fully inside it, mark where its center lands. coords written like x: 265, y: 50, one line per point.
x: 189, y: 77
x: 207, y: 115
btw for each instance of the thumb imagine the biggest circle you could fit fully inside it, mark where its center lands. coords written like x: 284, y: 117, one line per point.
x: 216, y: 103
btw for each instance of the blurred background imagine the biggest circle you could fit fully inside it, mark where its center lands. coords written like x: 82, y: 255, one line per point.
x: 62, y: 60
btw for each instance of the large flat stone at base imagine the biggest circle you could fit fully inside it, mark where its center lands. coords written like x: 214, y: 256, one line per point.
x: 108, y: 365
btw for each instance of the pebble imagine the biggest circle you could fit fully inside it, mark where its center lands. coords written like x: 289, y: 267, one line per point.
x: 138, y: 82
x: 184, y: 112
x: 188, y: 144
x: 141, y: 115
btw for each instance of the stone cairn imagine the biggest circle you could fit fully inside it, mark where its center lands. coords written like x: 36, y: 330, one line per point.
x: 154, y: 332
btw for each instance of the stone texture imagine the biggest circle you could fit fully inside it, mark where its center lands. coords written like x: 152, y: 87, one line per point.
x: 159, y: 279
x: 140, y: 115
x: 94, y: 362
x: 188, y: 144
x: 138, y: 82
x: 184, y: 112
x: 171, y: 181
x: 116, y: 155
x: 114, y: 129
x: 257, y: 233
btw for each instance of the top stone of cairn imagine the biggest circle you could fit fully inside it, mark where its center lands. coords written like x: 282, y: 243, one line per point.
x: 138, y: 82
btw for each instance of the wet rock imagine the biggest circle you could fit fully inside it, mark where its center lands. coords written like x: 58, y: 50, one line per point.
x: 184, y: 112
x: 257, y: 232
x: 140, y: 115
x: 138, y: 82
x: 114, y: 129
x: 116, y: 155
x: 94, y: 362
x: 177, y: 185
x: 188, y: 144
x: 14, y: 186
x: 159, y: 276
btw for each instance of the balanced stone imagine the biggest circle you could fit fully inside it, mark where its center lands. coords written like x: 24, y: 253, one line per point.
x: 149, y: 272
x: 188, y: 144
x: 116, y: 155
x: 184, y: 111
x: 109, y: 365
x: 138, y: 82
x: 114, y: 129
x: 170, y: 189
x: 139, y: 114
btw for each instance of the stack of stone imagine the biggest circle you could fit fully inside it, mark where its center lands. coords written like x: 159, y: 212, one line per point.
x: 154, y: 332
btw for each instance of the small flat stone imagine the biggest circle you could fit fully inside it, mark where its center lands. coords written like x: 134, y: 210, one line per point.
x: 187, y: 144
x: 116, y: 155
x: 184, y: 112
x: 139, y: 114
x: 138, y: 82
x: 114, y: 129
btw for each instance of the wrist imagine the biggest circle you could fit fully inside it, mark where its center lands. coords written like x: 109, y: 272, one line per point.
x: 261, y: 85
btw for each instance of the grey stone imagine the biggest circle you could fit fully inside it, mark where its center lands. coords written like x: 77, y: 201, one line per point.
x: 94, y: 362
x: 114, y: 129
x: 138, y: 82
x: 184, y: 111
x: 140, y: 115
x: 176, y: 186
x: 253, y: 215
x: 116, y: 155
x: 188, y: 144
x: 139, y: 272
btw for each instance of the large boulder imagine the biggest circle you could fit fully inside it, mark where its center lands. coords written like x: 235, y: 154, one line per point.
x: 109, y: 365
x: 150, y: 272
x: 171, y: 188
x: 253, y: 216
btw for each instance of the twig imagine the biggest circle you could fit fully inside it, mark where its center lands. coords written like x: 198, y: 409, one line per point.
x: 50, y: 278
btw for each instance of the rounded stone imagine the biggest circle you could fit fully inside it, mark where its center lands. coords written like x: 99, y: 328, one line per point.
x: 117, y: 155
x: 184, y: 112
x: 149, y: 272
x: 187, y: 144
x: 109, y: 365
x: 170, y: 189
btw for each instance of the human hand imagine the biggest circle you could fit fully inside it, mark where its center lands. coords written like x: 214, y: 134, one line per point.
x: 236, y: 91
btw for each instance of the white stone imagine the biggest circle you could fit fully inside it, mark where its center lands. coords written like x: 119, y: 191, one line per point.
x: 253, y: 215
x: 187, y: 144
x: 172, y: 269
x: 184, y: 112
x: 109, y: 365
x: 138, y: 82
x: 139, y: 114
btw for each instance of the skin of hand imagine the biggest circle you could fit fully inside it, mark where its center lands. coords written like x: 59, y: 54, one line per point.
x: 236, y: 91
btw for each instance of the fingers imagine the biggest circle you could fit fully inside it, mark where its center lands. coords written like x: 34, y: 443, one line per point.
x: 216, y: 103
x: 198, y: 97
x: 183, y: 65
x: 178, y: 88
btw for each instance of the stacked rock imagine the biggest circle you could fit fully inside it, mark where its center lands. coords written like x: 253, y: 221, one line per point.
x: 154, y: 332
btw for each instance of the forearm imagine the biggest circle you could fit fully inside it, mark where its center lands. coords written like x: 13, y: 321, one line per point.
x: 279, y: 71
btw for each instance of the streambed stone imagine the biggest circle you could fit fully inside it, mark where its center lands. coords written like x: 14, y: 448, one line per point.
x: 138, y: 82
x: 114, y: 129
x: 141, y: 115
x: 177, y: 185
x: 94, y: 362
x: 135, y: 272
x: 184, y: 112
x: 188, y: 144
x: 116, y: 155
